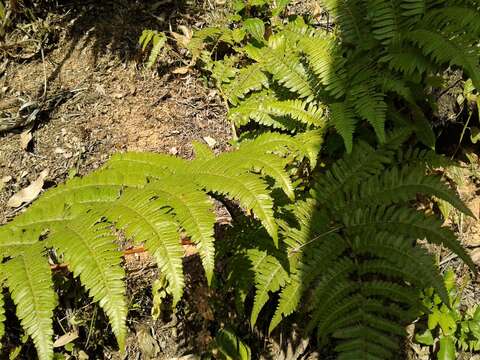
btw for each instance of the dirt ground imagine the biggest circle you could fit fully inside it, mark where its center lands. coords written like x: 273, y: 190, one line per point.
x: 102, y: 102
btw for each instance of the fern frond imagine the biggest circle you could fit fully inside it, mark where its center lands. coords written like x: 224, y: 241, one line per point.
x: 455, y: 19
x: 28, y: 278
x: 251, y: 192
x: 412, y: 8
x: 193, y: 211
x: 270, y: 276
x: 202, y: 151
x: 303, y: 145
x: 401, y: 185
x: 92, y: 255
x: 304, y: 112
x: 141, y: 218
x: 327, y: 63
x: 249, y: 78
x: 286, y: 68
x: 447, y: 51
x: 369, y: 103
x: 386, y: 20
x: 398, y: 251
x: 408, y: 60
x: 253, y: 109
x: 342, y: 117
x: 348, y: 14
x: 408, y: 222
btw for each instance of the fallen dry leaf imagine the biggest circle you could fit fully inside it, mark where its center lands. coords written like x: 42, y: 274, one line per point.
x: 211, y: 142
x: 65, y: 339
x: 475, y: 255
x: 29, y: 193
x: 182, y: 70
x: 25, y: 138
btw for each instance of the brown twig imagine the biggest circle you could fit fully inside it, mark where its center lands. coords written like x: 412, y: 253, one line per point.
x: 132, y: 251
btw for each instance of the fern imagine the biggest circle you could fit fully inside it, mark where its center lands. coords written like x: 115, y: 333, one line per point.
x: 158, y: 41
x: 380, y: 52
x: 351, y: 257
x: 152, y: 197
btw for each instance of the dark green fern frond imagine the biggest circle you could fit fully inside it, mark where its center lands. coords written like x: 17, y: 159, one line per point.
x: 357, y: 269
x: 370, y: 104
x: 342, y: 117
x: 457, y: 19
x: 447, y: 51
x: 400, y: 185
x: 411, y: 8
x: 349, y: 15
x: 405, y: 221
x: 386, y: 20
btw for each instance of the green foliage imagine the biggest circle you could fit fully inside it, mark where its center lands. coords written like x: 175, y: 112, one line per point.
x: 157, y: 40
x: 152, y: 198
x: 231, y: 347
x: 372, y: 68
x: 454, y: 327
x: 350, y: 262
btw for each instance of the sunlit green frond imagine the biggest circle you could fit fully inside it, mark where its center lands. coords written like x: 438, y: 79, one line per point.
x: 251, y: 192
x: 28, y: 278
x: 193, y: 210
x: 92, y: 255
x: 286, y: 68
x: 327, y: 63
x: 270, y: 275
x: 248, y: 79
x: 139, y: 214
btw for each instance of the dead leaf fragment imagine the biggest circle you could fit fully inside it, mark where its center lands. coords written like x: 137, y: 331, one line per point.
x: 25, y: 138
x: 182, y: 70
x: 210, y: 141
x: 29, y: 193
x: 475, y: 255
x: 65, y: 339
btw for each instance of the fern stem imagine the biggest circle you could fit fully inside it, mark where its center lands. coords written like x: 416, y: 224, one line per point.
x: 295, y: 250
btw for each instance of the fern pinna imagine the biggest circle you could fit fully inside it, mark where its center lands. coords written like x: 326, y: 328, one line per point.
x: 151, y: 197
x: 374, y: 65
x: 350, y: 262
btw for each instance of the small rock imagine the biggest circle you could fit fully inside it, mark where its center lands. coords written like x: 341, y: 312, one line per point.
x: 173, y: 151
